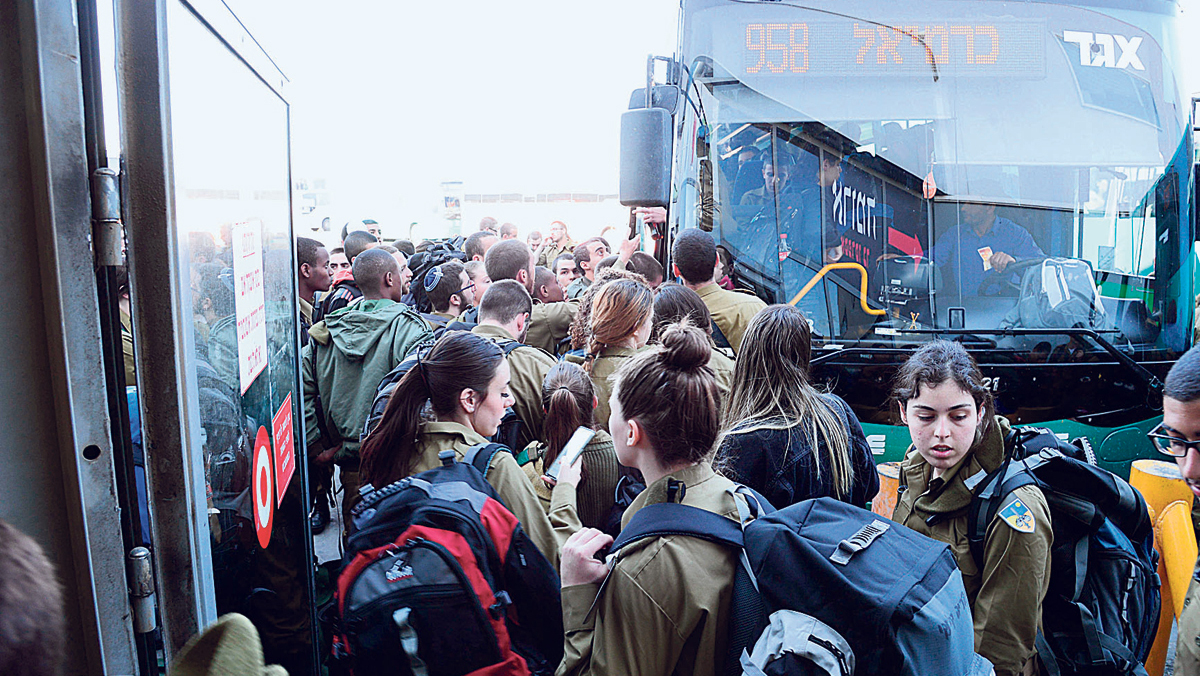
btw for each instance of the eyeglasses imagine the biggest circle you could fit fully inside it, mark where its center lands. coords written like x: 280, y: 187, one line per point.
x: 1170, y: 444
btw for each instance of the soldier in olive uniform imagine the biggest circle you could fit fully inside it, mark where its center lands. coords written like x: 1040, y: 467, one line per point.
x: 557, y: 243
x: 694, y: 258
x: 503, y: 318
x: 549, y: 323
x: 1179, y: 436
x: 956, y: 437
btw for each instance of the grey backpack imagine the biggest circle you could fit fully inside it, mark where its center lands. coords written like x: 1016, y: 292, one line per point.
x: 795, y: 643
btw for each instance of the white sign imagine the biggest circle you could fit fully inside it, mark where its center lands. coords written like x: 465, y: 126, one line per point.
x: 249, y: 301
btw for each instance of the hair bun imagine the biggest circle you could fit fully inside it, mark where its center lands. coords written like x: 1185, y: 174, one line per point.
x: 685, y: 347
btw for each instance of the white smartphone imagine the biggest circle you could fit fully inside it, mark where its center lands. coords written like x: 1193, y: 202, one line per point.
x: 571, y: 451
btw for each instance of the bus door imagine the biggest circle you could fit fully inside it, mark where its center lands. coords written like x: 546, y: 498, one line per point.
x: 204, y: 145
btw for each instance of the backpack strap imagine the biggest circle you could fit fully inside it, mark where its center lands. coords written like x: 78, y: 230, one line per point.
x: 480, y: 456
x: 670, y: 518
x: 991, y: 492
x: 719, y: 337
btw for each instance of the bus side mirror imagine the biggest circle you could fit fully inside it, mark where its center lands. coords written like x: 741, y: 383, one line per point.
x: 645, y: 158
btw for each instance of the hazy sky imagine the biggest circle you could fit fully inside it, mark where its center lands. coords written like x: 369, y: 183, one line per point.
x: 391, y: 98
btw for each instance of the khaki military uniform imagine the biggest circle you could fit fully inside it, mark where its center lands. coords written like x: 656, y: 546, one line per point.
x: 603, y: 367
x: 722, y: 367
x: 549, y: 323
x: 577, y: 288
x: 554, y: 250
x: 731, y: 311
x: 528, y: 366
x: 601, y: 472
x: 1006, y: 592
x: 503, y: 474
x: 643, y: 619
x: 1187, y: 650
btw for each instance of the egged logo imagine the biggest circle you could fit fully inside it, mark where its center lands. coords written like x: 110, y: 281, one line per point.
x: 1100, y: 50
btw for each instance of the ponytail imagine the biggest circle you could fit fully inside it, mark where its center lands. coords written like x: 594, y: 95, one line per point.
x: 567, y: 397
x: 389, y: 453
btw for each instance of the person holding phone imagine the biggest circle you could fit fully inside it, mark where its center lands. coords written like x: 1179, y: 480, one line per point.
x: 569, y: 402
x: 664, y: 604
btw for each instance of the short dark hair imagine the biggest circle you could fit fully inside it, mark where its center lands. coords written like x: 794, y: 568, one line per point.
x: 1183, y: 380
x: 336, y: 250
x: 506, y: 258
x: 508, y: 229
x: 940, y: 361
x: 695, y: 254
x: 358, y: 242
x: 536, y: 234
x: 474, y: 245
x: 606, y: 262
x: 503, y: 301
x: 543, y: 275
x: 488, y: 223
x: 32, y: 625
x: 447, y: 286
x: 582, y: 254
x: 369, y: 268
x: 406, y: 247
x: 646, y: 265
x: 564, y: 256
x: 675, y: 303
x: 306, y: 251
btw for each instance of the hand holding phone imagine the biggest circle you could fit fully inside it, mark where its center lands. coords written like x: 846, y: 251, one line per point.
x: 571, y: 452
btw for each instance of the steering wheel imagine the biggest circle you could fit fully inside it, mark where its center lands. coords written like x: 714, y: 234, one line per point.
x: 1003, y: 282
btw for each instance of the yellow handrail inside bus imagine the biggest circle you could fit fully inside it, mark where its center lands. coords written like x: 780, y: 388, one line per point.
x: 862, y: 289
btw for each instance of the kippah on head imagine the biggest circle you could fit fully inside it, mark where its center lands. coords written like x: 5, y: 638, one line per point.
x: 503, y: 301
x: 358, y: 242
x: 370, y: 266
x: 695, y: 254
x: 506, y: 258
x: 1183, y: 380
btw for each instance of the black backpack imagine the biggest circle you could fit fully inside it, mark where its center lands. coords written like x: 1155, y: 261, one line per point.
x: 825, y: 587
x: 508, y: 433
x: 1101, y: 612
x: 440, y: 578
x: 425, y: 261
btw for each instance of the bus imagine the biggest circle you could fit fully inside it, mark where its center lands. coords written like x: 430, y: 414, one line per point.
x: 1017, y: 176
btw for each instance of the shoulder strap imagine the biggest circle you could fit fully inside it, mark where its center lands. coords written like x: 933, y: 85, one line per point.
x: 670, y: 518
x: 508, y: 346
x: 719, y: 337
x: 480, y: 456
x: 990, y: 494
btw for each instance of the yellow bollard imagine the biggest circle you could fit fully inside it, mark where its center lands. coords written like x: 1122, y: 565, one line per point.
x: 1160, y: 484
x: 1178, y: 546
x: 884, y: 504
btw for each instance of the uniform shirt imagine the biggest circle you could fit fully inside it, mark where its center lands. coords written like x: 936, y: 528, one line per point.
x: 554, y: 250
x: 549, y: 323
x: 603, y: 367
x: 1187, y: 650
x: 731, y: 311
x: 958, y: 251
x: 504, y: 474
x: 576, y: 288
x: 1006, y: 592
x: 528, y: 366
x: 642, y: 620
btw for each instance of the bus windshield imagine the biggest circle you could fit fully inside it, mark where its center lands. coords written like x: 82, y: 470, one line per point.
x: 1008, y: 171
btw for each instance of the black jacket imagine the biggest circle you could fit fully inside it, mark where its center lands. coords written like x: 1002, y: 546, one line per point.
x: 780, y: 463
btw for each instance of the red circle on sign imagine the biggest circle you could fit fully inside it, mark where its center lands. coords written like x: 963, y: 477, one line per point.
x: 263, y: 487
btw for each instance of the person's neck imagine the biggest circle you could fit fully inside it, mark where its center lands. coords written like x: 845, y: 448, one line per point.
x: 981, y: 229
x: 460, y: 416
x: 590, y: 275
x: 652, y: 471
x: 697, y: 287
x: 307, y: 292
x: 374, y: 296
x: 510, y: 329
x: 630, y: 343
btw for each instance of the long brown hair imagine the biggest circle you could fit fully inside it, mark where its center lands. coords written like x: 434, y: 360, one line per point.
x: 582, y: 326
x: 457, y: 361
x: 618, y: 311
x: 568, y: 399
x: 670, y: 390
x: 771, y: 390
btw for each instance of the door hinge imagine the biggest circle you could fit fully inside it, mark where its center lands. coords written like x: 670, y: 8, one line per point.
x: 107, y: 229
x: 141, y: 589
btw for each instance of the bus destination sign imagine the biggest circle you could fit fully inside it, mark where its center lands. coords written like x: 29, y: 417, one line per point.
x: 993, y: 48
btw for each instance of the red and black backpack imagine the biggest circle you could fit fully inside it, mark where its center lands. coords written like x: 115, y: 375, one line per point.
x: 440, y: 578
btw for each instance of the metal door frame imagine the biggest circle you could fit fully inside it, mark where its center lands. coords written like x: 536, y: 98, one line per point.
x: 163, y: 334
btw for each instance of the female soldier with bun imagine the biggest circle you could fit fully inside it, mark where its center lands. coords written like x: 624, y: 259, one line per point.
x: 956, y: 436
x: 644, y: 619
x: 465, y: 380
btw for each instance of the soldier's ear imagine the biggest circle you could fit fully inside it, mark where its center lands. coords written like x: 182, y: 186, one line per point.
x: 903, y: 413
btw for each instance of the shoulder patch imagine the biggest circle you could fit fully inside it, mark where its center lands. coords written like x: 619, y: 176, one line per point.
x: 1017, y: 515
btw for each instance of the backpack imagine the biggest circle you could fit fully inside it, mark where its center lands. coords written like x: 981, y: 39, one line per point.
x: 440, y: 578
x: 425, y: 261
x: 508, y: 433
x: 827, y: 588
x: 1058, y: 293
x: 342, y: 294
x: 1101, y: 611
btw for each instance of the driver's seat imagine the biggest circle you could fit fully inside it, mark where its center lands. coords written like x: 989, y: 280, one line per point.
x: 1059, y: 293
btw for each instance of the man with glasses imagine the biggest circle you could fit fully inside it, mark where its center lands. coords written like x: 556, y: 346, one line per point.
x: 450, y: 292
x: 1179, y: 437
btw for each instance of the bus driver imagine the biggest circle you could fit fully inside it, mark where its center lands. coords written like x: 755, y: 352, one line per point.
x: 983, y: 242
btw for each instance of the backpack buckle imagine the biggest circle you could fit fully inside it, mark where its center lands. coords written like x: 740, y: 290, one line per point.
x: 499, y: 609
x: 858, y: 542
x: 447, y: 458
